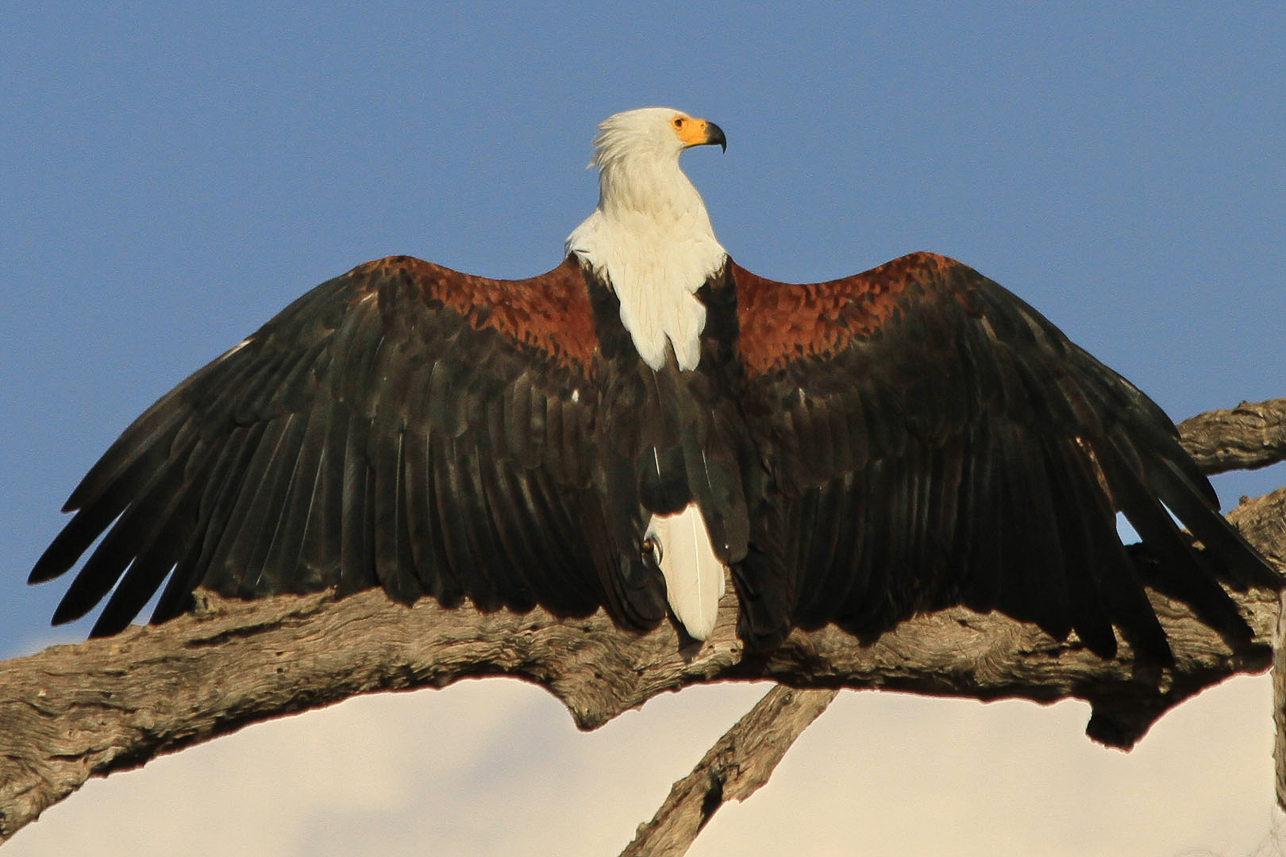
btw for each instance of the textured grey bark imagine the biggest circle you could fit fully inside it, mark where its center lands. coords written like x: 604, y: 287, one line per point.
x: 71, y: 712
x: 1249, y: 436
x: 733, y: 769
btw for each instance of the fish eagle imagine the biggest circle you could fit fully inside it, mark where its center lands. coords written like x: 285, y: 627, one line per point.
x: 648, y: 418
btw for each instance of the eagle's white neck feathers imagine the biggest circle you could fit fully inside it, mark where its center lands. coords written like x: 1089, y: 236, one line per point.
x: 650, y: 237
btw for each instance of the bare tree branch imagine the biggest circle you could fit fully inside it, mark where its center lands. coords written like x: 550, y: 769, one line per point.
x: 1279, y: 715
x: 1249, y: 436
x: 110, y: 704
x: 733, y: 769
x: 1263, y: 522
x: 71, y: 712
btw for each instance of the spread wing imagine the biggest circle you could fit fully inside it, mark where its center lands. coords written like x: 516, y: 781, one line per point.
x: 403, y: 426
x: 932, y: 440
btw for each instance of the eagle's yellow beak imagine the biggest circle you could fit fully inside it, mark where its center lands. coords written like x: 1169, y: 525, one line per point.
x: 698, y: 132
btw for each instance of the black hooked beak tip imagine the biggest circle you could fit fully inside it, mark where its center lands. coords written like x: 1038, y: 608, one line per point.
x: 714, y: 134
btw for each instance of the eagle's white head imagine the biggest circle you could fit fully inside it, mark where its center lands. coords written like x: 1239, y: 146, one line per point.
x: 660, y: 131
x: 650, y: 237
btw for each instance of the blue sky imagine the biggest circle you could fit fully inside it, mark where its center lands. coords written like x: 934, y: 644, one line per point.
x: 173, y: 176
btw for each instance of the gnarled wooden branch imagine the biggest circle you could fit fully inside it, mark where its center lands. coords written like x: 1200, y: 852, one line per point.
x: 734, y: 768
x: 1247, y: 437
x: 71, y: 712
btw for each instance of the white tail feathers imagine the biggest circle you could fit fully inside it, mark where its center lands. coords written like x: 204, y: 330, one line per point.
x: 693, y: 574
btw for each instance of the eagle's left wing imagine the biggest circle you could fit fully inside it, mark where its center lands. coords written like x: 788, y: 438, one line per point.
x: 932, y: 440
